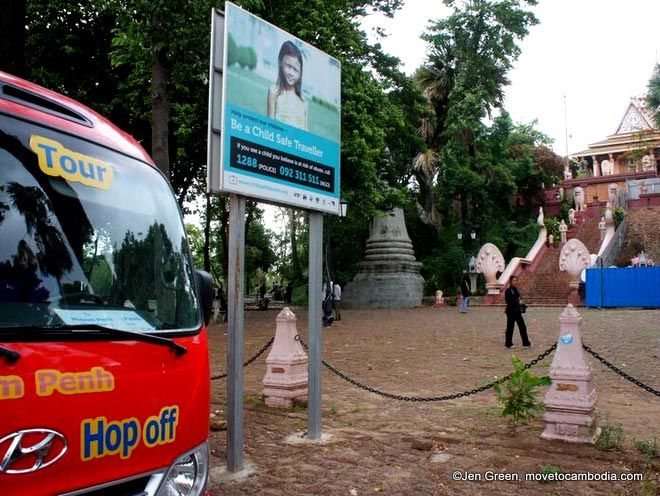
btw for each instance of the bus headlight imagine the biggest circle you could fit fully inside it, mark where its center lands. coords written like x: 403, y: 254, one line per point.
x: 188, y: 474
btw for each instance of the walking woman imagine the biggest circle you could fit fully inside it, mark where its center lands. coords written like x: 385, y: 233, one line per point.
x: 514, y: 309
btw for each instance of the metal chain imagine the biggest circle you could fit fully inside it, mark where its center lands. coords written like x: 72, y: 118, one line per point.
x: 448, y: 396
x: 430, y: 398
x: 620, y: 372
x: 248, y: 362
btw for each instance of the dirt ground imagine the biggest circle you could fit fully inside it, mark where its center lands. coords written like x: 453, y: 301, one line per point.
x: 429, y: 352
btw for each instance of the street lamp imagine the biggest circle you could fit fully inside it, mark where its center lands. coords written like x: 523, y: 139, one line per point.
x: 473, y: 235
x: 343, y: 207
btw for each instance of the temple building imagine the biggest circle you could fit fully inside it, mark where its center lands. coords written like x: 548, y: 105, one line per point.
x: 625, y: 163
x: 634, y: 147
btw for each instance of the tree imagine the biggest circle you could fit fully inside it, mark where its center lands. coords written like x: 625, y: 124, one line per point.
x: 12, y: 36
x: 653, y: 97
x: 470, y: 54
x: 157, y: 88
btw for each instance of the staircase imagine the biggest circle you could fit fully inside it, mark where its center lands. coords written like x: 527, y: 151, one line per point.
x: 543, y: 284
x: 587, y: 232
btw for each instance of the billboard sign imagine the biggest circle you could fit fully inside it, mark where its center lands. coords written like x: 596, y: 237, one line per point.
x: 280, y: 122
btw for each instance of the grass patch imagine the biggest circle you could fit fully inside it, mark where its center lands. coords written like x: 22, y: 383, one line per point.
x: 548, y: 469
x: 648, y: 488
x: 333, y: 411
x: 254, y: 399
x: 296, y: 408
x: 647, y: 448
x: 611, y: 437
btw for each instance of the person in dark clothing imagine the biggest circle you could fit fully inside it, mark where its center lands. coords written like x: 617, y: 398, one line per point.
x: 326, y: 304
x: 465, y: 292
x: 288, y: 293
x: 514, y: 309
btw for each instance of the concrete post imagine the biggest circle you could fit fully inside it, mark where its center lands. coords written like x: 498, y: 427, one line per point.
x: 571, y: 399
x: 285, y: 381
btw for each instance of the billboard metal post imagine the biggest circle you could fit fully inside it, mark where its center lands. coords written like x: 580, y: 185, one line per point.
x: 273, y: 138
x: 235, y: 291
x: 315, y: 328
x: 215, y: 100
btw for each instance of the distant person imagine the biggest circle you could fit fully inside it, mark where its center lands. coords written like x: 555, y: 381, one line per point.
x: 277, y: 291
x: 285, y: 99
x: 262, y: 304
x: 336, y: 300
x: 465, y: 291
x: 288, y: 293
x: 514, y: 310
x: 326, y: 304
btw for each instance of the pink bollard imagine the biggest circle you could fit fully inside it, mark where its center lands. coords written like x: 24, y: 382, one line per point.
x: 571, y: 399
x: 285, y: 381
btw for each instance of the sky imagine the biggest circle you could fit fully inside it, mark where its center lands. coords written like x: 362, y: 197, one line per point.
x: 593, y: 54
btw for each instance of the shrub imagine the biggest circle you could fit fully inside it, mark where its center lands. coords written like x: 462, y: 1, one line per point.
x: 552, y: 225
x: 611, y: 437
x: 549, y: 469
x: 619, y: 214
x: 647, y: 448
x: 299, y: 296
x: 518, y: 394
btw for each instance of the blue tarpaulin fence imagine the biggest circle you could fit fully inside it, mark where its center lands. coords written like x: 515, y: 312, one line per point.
x: 623, y: 287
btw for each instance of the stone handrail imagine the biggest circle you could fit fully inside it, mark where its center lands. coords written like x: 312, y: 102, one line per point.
x: 608, y: 254
x: 515, y: 262
x: 511, y: 268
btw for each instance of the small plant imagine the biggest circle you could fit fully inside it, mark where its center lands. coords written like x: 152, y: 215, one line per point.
x: 296, y: 408
x: 611, y: 437
x: 358, y: 409
x: 333, y: 410
x: 518, y: 394
x: 254, y: 399
x: 647, y: 448
x: 548, y: 469
x: 618, y: 214
x: 552, y: 227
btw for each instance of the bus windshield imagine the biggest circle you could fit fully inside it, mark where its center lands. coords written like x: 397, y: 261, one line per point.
x: 88, y: 236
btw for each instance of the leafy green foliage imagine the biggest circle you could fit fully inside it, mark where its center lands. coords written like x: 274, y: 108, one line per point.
x: 299, y: 296
x: 549, y: 469
x: 468, y: 175
x: 618, y: 214
x: 611, y: 437
x: 648, y: 448
x: 518, y: 394
x: 552, y: 226
x: 443, y: 269
x: 471, y: 176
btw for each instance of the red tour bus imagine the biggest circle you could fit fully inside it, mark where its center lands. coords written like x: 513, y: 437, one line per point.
x: 104, y: 368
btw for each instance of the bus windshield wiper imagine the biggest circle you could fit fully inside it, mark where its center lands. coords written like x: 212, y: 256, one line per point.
x: 99, y: 329
x: 11, y: 356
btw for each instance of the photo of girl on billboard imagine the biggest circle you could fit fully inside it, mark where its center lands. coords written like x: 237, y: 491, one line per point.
x: 285, y: 99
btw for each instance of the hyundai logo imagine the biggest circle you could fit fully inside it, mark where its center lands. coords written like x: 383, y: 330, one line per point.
x: 30, y: 450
